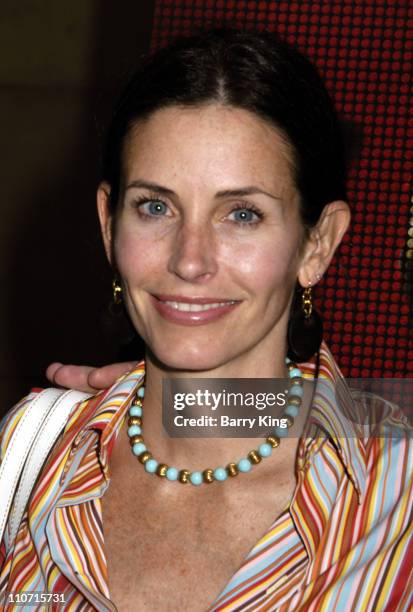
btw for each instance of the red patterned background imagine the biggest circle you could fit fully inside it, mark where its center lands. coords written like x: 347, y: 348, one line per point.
x: 364, y: 51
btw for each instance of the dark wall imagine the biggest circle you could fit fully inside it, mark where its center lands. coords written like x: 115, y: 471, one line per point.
x: 61, y: 66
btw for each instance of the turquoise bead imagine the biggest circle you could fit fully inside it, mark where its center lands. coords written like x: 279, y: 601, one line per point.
x: 296, y: 390
x: 295, y: 373
x: 138, y: 448
x: 151, y: 465
x: 135, y: 411
x: 292, y: 410
x: 220, y: 474
x: 196, y: 478
x: 172, y: 473
x: 265, y: 449
x: 244, y: 465
x: 134, y: 430
x: 141, y: 392
x: 281, y: 432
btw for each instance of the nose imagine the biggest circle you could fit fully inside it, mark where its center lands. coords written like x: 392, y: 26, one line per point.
x: 193, y: 256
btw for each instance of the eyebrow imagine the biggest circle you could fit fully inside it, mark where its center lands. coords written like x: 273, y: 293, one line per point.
x: 226, y: 193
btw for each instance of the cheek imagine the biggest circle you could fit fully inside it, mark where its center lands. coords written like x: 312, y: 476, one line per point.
x: 263, y: 266
x: 134, y: 254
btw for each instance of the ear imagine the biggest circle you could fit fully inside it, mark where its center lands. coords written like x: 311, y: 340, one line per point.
x: 323, y: 240
x: 105, y: 218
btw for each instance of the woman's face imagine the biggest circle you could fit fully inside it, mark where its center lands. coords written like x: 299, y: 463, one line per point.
x: 208, y: 239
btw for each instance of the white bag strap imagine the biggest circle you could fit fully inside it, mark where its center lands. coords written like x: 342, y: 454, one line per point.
x: 31, y: 442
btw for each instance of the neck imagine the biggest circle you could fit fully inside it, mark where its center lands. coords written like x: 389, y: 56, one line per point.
x: 200, y: 453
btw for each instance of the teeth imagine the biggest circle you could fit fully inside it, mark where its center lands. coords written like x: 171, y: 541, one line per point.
x: 184, y: 307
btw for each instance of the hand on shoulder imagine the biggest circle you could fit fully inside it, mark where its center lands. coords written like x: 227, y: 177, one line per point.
x: 86, y: 378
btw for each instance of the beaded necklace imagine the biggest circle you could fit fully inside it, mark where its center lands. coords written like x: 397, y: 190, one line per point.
x: 255, y: 456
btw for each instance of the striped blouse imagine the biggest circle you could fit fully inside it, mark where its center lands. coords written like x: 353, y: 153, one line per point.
x: 344, y: 543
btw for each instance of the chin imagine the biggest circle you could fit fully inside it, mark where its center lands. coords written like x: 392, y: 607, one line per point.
x: 187, y: 358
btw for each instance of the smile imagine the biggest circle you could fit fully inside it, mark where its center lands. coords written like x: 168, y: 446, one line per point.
x: 186, y: 307
x: 194, y: 311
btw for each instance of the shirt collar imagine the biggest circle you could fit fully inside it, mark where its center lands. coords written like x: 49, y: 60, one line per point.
x: 333, y: 415
x: 109, y: 411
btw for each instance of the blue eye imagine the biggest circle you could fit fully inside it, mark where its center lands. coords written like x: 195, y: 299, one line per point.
x: 151, y: 207
x: 156, y: 207
x: 245, y: 216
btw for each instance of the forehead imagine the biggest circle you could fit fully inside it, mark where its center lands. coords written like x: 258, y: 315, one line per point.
x: 210, y: 143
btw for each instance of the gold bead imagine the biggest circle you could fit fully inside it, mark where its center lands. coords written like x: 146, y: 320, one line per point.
x: 135, y: 440
x: 254, y: 457
x: 291, y: 366
x: 297, y: 380
x: 295, y: 400
x: 144, y: 457
x: 184, y: 476
x: 273, y: 440
x: 208, y: 475
x: 135, y: 421
x: 161, y: 469
x: 232, y: 469
x: 290, y: 420
x: 137, y: 401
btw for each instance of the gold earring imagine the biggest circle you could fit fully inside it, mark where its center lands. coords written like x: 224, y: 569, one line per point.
x: 305, y: 327
x: 307, y: 302
x: 117, y: 291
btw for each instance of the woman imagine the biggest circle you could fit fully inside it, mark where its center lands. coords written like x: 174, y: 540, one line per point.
x: 222, y: 201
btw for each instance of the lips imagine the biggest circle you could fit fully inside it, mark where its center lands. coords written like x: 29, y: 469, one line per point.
x: 192, y: 310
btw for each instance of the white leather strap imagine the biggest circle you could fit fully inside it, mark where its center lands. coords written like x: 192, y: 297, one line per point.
x: 28, y: 448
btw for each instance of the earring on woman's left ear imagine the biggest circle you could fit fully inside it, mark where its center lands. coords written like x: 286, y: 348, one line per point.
x: 117, y: 291
x: 305, y: 328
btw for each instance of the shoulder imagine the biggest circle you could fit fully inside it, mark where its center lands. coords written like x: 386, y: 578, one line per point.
x: 87, y: 411
x: 395, y: 437
x: 382, y: 418
x: 10, y: 422
x: 389, y: 454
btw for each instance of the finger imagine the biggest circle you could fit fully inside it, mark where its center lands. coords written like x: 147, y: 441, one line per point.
x: 100, y: 378
x: 73, y: 377
x: 52, y: 369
